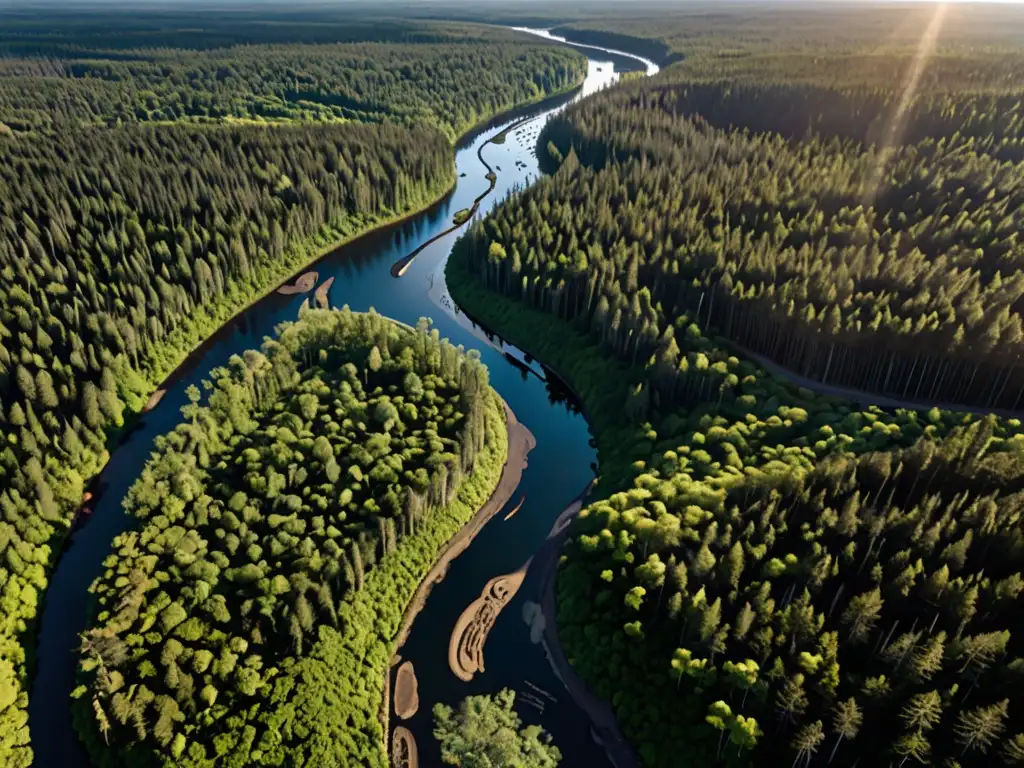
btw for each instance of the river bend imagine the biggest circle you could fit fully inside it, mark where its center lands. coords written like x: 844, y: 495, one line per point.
x: 559, y: 467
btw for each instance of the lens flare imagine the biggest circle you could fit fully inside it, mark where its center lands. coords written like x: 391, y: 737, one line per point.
x: 894, y: 130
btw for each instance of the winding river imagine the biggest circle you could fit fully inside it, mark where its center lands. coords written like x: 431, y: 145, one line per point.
x: 559, y: 468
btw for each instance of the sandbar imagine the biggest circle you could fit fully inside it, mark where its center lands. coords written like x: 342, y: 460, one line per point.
x: 407, y: 695
x: 403, y: 749
x: 320, y: 296
x: 466, y: 645
x: 304, y: 284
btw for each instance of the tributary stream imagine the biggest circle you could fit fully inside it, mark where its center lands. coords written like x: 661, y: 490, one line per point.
x: 559, y: 467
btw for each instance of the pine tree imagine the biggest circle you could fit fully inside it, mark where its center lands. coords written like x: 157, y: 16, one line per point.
x: 357, y: 565
x: 807, y: 741
x: 703, y: 562
x: 927, y: 661
x: 1013, y: 750
x: 979, y: 728
x: 734, y: 565
x: 375, y: 362
x: 862, y: 614
x: 791, y: 700
x: 846, y: 722
x: 913, y: 745
x: 710, y: 620
x: 922, y: 711
x: 744, y: 620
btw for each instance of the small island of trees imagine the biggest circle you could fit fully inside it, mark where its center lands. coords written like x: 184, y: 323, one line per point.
x: 486, y: 731
x: 283, y: 527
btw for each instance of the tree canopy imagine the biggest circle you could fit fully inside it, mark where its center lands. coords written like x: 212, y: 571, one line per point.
x: 486, y: 732
x: 156, y: 179
x: 450, y: 76
x: 262, y: 517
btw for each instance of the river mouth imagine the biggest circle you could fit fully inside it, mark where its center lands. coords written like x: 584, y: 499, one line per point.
x: 560, y: 466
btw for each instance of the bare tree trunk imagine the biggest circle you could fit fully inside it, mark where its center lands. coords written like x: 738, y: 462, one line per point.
x: 838, y: 742
x: 828, y: 365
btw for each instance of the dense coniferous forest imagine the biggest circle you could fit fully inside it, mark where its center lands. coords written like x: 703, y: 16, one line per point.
x: 690, y: 519
x: 164, y: 69
x: 874, y: 597
x: 244, y: 622
x: 453, y: 86
x: 658, y: 563
x: 120, y: 250
x: 766, y: 574
x: 129, y: 232
x: 803, y: 229
x: 741, y: 37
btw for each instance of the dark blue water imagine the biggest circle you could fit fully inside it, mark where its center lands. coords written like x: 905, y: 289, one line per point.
x: 559, y: 467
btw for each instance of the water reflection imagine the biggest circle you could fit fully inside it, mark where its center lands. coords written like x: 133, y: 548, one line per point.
x: 559, y: 393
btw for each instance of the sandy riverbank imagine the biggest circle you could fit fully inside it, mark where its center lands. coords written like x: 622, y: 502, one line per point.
x: 520, y: 442
x: 304, y: 284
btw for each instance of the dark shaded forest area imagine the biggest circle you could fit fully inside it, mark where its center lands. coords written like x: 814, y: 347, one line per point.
x: 129, y: 231
x: 765, y: 573
x: 851, y: 237
x: 245, y: 621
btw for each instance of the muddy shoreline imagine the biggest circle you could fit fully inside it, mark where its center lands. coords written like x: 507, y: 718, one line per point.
x: 602, y: 716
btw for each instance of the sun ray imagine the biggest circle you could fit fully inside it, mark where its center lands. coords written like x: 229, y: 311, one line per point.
x: 894, y: 130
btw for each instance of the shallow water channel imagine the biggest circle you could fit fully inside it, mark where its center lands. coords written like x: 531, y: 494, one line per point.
x: 559, y: 467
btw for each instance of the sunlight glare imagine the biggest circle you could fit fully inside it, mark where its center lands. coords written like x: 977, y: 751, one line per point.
x: 893, y: 132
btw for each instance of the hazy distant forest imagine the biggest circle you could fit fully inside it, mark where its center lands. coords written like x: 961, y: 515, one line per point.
x: 766, y: 574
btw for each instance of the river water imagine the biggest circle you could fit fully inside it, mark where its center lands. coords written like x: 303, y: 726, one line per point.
x: 559, y: 467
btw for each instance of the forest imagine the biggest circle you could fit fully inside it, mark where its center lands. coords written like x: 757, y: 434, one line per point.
x: 891, y: 268
x: 742, y: 37
x: 118, y: 257
x: 486, y: 731
x: 712, y: 555
x: 452, y: 85
x: 283, y: 526
x: 131, y: 228
x: 764, y: 574
x: 876, y: 595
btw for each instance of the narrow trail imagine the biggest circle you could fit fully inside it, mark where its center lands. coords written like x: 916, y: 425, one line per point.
x: 860, y: 397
